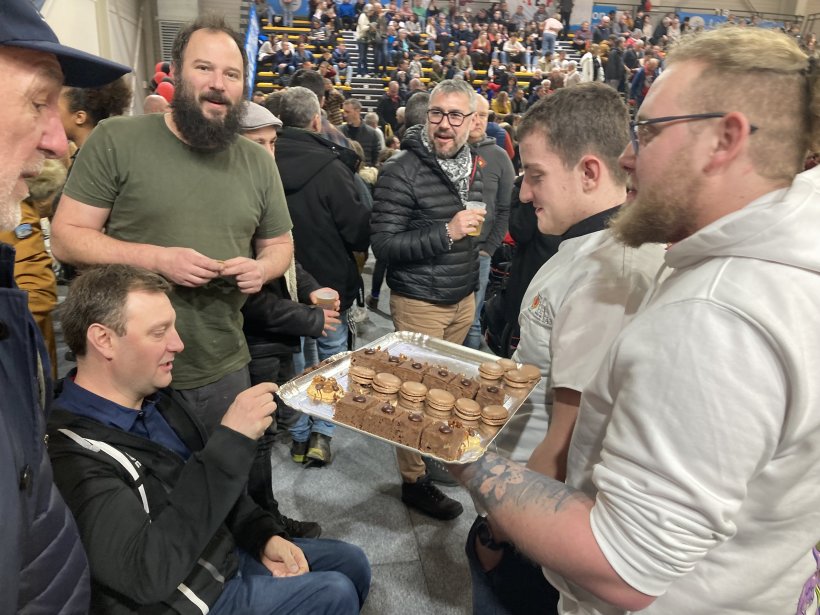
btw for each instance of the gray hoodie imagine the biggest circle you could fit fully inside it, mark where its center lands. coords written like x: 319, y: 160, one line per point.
x: 498, y: 175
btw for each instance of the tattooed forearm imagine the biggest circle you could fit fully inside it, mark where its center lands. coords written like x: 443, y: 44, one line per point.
x: 546, y: 491
x: 494, y: 480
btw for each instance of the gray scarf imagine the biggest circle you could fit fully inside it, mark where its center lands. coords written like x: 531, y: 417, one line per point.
x: 458, y: 169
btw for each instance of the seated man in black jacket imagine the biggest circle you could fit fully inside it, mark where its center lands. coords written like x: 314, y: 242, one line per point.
x: 160, y: 506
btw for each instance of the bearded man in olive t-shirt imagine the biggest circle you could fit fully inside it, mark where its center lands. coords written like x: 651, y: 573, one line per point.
x: 181, y: 195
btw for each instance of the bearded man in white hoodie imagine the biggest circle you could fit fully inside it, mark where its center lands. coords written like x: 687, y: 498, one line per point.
x: 692, y: 472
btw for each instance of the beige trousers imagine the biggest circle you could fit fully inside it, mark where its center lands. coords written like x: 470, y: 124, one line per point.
x: 447, y: 322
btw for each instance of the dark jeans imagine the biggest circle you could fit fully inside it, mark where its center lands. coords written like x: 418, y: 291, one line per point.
x: 379, y: 269
x: 337, y: 584
x: 361, y: 66
x: 515, y: 587
x: 278, y: 369
x: 382, y: 57
x: 443, y: 43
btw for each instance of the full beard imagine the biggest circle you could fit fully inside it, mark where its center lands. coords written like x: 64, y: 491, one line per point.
x: 200, y: 132
x: 660, y: 214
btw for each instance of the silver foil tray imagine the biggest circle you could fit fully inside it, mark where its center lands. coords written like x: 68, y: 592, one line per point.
x: 417, y: 346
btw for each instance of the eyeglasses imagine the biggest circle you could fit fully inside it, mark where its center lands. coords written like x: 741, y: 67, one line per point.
x: 639, y: 134
x: 456, y: 119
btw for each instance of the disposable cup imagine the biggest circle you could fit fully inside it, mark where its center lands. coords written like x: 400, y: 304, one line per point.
x: 476, y: 205
x: 326, y: 298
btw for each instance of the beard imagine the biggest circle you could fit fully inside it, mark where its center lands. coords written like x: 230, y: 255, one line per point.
x: 202, y: 133
x: 659, y: 214
x: 449, y: 151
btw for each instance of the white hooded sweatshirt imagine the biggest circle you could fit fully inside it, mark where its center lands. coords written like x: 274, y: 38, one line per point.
x: 699, y: 436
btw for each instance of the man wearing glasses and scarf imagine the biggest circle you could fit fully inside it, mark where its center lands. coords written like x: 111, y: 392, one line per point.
x: 421, y: 228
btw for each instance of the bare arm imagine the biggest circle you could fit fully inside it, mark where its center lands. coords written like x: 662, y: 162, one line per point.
x: 272, y: 259
x: 78, y: 238
x: 550, y: 457
x: 549, y: 522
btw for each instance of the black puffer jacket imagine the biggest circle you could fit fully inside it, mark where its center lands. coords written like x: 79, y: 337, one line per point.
x: 273, y: 323
x: 413, y: 201
x: 329, y: 220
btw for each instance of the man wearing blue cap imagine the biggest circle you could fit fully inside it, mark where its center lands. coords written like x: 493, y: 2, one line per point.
x: 43, y: 568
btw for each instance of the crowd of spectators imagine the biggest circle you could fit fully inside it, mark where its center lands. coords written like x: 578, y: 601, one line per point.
x: 504, y: 54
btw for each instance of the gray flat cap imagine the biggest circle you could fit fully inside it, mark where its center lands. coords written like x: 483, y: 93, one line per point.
x: 257, y: 116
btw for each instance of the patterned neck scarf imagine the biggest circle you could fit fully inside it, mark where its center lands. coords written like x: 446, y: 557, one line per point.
x: 458, y: 169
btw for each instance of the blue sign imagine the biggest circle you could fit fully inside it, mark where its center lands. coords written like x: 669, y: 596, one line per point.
x: 772, y: 25
x: 705, y: 21
x: 251, y: 48
x: 601, y: 10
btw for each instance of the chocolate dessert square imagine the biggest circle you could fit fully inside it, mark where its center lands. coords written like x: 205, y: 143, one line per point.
x: 407, y: 428
x: 352, y: 409
x: 490, y: 395
x: 392, y: 364
x: 438, y: 377
x: 369, y: 357
x: 411, y: 370
x: 381, y: 420
x: 462, y: 386
x: 445, y: 440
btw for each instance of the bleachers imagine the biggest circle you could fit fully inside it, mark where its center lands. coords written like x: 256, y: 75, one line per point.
x: 366, y: 89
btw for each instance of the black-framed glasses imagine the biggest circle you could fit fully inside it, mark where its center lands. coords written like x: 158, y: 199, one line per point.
x: 639, y: 136
x: 455, y: 118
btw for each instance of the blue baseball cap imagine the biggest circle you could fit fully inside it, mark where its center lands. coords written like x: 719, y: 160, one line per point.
x: 21, y: 25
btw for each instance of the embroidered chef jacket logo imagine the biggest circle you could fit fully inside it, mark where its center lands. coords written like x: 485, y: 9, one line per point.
x: 539, y: 310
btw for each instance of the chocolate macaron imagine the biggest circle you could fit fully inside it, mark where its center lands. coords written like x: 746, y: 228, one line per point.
x: 530, y: 372
x: 490, y: 372
x: 439, y: 404
x: 492, y: 419
x: 507, y: 364
x: 412, y: 395
x: 516, y: 380
x: 468, y: 411
x: 386, y: 387
x: 361, y: 378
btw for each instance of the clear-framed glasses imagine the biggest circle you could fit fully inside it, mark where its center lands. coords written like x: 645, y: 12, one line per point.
x: 639, y: 135
x: 455, y: 118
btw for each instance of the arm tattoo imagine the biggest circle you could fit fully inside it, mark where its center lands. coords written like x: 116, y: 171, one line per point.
x: 495, y: 480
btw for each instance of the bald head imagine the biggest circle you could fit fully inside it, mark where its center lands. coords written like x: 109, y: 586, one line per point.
x: 478, y: 131
x: 154, y: 103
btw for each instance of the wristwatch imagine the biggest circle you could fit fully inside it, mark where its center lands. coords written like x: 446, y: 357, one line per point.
x: 484, y: 533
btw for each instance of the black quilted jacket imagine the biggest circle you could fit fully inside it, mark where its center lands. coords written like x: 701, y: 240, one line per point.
x: 413, y: 201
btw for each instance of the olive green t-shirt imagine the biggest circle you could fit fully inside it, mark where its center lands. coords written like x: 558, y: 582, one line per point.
x: 161, y: 192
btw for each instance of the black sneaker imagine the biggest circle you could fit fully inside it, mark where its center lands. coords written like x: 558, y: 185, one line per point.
x: 438, y: 473
x: 298, y: 451
x: 301, y: 529
x: 425, y: 497
x: 318, y: 451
